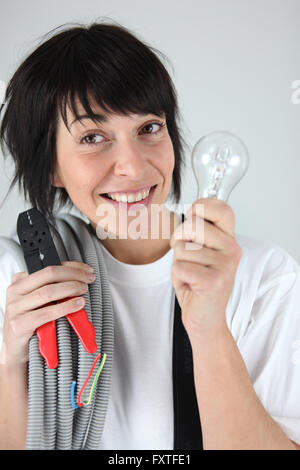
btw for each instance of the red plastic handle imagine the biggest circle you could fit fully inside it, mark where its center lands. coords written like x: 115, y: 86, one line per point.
x: 47, y: 343
x: 84, y: 330
x: 82, y: 327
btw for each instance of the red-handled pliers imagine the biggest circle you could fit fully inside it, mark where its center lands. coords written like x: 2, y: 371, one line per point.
x: 39, y: 251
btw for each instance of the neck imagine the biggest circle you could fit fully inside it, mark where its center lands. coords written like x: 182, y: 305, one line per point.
x: 144, y: 250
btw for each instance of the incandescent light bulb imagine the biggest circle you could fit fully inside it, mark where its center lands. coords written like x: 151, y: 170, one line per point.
x: 219, y: 162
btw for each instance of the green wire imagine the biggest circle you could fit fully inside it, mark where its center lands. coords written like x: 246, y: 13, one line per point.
x: 95, y: 380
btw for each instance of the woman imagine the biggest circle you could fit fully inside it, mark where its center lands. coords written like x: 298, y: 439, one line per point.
x: 91, y: 116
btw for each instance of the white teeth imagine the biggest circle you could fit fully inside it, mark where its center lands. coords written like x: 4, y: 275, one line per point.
x: 130, y: 197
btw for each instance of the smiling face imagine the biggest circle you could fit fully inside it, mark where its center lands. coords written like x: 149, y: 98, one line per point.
x: 115, y: 154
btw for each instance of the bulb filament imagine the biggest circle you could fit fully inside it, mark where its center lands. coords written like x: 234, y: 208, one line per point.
x: 221, y: 159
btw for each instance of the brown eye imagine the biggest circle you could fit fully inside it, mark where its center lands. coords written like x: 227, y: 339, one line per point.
x: 91, y: 139
x: 149, y: 127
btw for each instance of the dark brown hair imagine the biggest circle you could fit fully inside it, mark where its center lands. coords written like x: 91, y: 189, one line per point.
x: 105, y: 61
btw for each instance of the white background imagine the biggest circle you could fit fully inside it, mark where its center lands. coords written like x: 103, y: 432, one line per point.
x: 233, y: 63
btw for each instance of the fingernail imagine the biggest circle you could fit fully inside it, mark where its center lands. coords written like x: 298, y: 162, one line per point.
x: 90, y: 269
x: 91, y: 277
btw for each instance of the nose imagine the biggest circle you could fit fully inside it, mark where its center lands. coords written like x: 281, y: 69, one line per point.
x: 129, y: 159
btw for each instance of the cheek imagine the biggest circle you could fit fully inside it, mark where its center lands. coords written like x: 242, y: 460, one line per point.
x: 79, y: 184
x: 79, y: 176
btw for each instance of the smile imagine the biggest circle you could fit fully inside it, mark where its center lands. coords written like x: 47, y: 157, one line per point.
x: 130, y: 199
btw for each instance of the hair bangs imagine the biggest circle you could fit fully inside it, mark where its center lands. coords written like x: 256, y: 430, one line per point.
x: 134, y: 82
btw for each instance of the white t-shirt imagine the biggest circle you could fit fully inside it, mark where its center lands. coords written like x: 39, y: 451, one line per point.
x: 263, y: 315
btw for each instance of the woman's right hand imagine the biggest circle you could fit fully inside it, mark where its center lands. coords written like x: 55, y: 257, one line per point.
x: 26, y: 304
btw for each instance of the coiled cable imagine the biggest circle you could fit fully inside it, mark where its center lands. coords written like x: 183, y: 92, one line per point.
x: 52, y: 421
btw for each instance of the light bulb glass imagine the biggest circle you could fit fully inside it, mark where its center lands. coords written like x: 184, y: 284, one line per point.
x: 219, y: 161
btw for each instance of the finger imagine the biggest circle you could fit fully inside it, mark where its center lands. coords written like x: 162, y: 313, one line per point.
x: 30, y: 321
x: 215, y: 211
x: 78, y: 264
x: 191, y: 251
x: 49, y: 275
x: 201, y: 232
x: 17, y: 276
x: 187, y: 274
x: 48, y: 294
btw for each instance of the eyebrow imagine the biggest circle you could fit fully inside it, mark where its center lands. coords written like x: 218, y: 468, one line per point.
x: 82, y: 117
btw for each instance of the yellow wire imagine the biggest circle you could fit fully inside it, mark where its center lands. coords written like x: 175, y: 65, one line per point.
x: 95, y: 379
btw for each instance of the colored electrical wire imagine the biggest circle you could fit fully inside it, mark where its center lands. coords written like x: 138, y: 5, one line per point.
x: 72, y: 395
x: 86, y: 380
x: 79, y: 403
x: 95, y: 380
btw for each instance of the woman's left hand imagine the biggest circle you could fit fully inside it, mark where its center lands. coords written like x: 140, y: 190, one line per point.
x: 205, y: 263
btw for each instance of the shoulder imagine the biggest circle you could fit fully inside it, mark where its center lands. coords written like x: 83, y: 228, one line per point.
x: 264, y: 261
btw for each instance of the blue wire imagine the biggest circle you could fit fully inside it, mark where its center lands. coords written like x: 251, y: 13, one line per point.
x: 72, y: 395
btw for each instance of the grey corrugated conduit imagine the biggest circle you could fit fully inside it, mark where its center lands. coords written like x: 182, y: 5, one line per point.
x: 52, y: 421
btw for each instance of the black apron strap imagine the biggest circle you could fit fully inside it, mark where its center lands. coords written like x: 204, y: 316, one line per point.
x: 187, y: 426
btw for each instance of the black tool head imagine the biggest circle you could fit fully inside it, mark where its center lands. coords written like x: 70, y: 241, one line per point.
x: 36, y: 241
